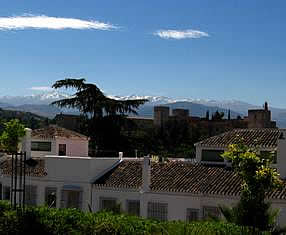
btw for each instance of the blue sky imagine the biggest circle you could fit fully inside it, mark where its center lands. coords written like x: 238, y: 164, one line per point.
x: 239, y: 52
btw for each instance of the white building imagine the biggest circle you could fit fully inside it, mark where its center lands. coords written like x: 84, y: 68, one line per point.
x: 264, y: 140
x: 175, y: 190
x: 183, y: 190
x: 57, y: 141
x: 64, y: 168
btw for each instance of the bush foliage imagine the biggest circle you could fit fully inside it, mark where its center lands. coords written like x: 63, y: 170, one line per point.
x: 51, y: 221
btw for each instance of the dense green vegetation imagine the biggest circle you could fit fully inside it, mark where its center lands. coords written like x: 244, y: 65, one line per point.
x: 30, y: 120
x: 11, y: 135
x: 258, y: 178
x: 51, y: 221
x: 176, y: 139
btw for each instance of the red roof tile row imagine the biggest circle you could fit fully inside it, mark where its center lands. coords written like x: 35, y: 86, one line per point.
x: 56, y: 131
x: 179, y: 177
x: 263, y: 137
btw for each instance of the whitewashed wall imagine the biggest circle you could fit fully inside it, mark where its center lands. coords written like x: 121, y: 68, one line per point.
x: 80, y: 169
x: 177, y: 202
x: 73, y: 147
x: 44, y: 153
x: 67, y: 172
x: 77, y: 148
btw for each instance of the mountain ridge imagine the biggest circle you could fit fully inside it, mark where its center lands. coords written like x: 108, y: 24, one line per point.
x: 39, y: 104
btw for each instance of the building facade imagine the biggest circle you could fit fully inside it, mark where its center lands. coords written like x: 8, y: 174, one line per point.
x: 172, y: 190
x: 56, y: 141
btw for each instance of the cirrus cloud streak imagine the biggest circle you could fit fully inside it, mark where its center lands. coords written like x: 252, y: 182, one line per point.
x: 180, y: 34
x: 47, y: 22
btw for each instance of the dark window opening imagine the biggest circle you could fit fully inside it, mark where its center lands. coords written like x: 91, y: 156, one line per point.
x: 71, y: 199
x: 41, y: 146
x: 133, y: 207
x: 192, y: 214
x: 62, y: 150
x: 211, y: 212
x: 6, y: 193
x: 107, y: 204
x: 158, y: 211
x: 51, y: 196
x: 212, y: 155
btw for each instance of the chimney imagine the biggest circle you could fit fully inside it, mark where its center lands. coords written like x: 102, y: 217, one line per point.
x: 266, y: 106
x: 146, y: 174
x: 26, y: 143
x: 120, y: 155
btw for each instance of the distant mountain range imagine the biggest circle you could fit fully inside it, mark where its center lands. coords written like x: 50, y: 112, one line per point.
x: 39, y: 104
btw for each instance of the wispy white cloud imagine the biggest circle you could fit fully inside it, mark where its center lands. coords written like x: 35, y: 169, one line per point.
x: 180, y: 34
x: 47, y: 22
x: 41, y: 88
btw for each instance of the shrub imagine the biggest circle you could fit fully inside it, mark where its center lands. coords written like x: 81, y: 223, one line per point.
x: 52, y: 221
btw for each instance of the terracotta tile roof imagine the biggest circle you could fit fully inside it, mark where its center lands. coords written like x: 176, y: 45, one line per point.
x: 264, y: 137
x: 178, y: 177
x: 127, y: 175
x: 52, y: 131
x: 38, y: 171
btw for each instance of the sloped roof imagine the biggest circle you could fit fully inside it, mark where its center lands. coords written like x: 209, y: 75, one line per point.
x: 178, y: 177
x: 37, y: 171
x: 264, y: 137
x: 54, y: 131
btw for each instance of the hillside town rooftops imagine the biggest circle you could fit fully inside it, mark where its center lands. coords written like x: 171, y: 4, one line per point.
x: 181, y: 177
x: 263, y: 137
x: 53, y: 131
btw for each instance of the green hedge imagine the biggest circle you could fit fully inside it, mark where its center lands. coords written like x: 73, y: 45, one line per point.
x: 50, y: 221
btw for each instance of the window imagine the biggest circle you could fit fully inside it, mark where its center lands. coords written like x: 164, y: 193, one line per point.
x: 41, y: 146
x: 133, y: 207
x: 107, y: 203
x: 212, y: 155
x: 31, y: 195
x: 157, y: 210
x: 192, y: 214
x: 211, y: 211
x: 6, y: 193
x: 51, y: 196
x: 62, y: 150
x: 71, y: 199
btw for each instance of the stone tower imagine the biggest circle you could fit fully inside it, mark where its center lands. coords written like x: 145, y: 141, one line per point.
x: 161, y: 115
x: 181, y: 113
x: 260, y: 118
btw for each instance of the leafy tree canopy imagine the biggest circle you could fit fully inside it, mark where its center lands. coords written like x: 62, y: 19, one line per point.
x: 11, y: 136
x: 258, y: 178
x: 104, y: 116
x: 89, y: 99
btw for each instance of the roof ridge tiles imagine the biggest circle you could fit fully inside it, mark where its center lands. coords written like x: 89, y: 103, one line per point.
x: 186, y: 178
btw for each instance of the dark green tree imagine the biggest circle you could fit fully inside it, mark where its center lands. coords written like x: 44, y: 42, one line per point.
x: 217, y: 116
x: 101, y: 111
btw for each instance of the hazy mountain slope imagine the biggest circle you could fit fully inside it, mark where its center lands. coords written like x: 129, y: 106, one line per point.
x: 39, y: 104
x: 197, y: 110
x: 39, y: 109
